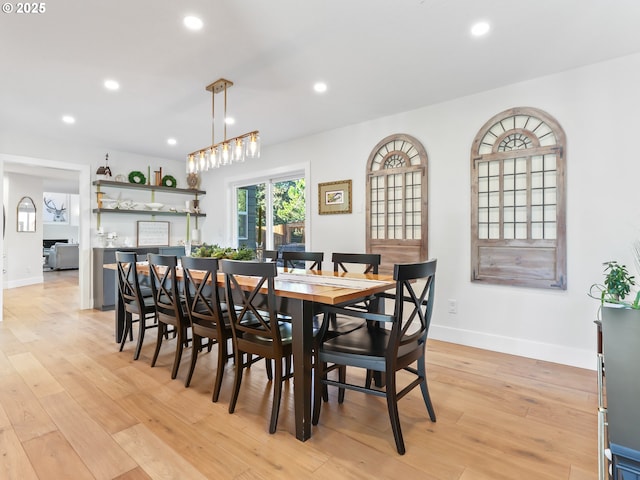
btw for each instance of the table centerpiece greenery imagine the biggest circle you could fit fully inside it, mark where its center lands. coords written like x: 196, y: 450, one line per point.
x: 216, y: 251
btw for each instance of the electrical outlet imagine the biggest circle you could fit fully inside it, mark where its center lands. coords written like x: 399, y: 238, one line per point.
x: 453, y: 306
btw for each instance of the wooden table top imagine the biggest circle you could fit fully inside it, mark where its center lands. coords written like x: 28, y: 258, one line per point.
x: 320, y: 286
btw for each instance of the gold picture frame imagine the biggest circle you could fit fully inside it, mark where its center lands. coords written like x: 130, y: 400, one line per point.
x: 334, y: 197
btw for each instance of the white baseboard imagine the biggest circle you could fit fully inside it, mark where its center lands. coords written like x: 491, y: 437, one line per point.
x: 516, y: 346
x: 23, y: 282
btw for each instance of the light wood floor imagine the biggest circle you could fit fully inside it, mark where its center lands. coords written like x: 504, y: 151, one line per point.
x: 73, y: 407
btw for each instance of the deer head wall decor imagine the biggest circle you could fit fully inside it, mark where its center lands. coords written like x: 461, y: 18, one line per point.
x: 58, y: 213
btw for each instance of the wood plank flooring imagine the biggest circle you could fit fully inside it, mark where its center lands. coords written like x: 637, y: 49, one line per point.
x: 73, y: 407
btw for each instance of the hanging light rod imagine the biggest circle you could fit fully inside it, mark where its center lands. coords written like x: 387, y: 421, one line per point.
x: 229, y: 150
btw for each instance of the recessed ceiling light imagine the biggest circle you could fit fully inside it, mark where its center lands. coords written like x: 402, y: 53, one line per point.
x: 172, y: 141
x: 320, y: 87
x: 192, y: 23
x: 480, y: 28
x: 68, y: 119
x: 111, y: 85
x: 229, y: 120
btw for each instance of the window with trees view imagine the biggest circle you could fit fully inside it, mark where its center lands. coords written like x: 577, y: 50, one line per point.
x: 275, y: 214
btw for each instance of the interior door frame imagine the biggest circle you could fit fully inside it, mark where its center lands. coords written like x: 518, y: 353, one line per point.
x: 84, y: 221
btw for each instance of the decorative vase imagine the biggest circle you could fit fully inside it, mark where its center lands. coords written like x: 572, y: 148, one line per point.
x: 259, y: 252
x: 187, y: 249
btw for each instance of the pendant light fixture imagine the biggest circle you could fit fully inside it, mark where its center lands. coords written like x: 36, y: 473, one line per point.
x: 229, y: 150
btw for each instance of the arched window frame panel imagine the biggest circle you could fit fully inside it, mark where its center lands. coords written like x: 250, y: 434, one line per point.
x: 518, y: 212
x: 397, y: 201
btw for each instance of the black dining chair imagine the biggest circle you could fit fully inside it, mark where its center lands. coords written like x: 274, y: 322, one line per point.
x: 169, y: 305
x: 367, y: 263
x: 343, y: 263
x: 137, y: 300
x: 370, y: 262
x: 299, y: 259
x: 257, y: 328
x: 399, y: 347
x: 270, y: 255
x: 207, y: 313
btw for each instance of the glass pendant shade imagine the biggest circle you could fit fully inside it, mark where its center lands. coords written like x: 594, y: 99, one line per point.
x: 216, y: 157
x: 191, y: 164
x: 238, y: 150
x: 225, y: 155
x: 253, y: 146
x: 202, y: 162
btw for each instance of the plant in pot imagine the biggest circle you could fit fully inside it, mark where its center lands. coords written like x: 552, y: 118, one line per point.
x: 617, y: 285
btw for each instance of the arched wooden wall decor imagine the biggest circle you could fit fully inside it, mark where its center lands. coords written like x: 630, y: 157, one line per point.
x: 397, y: 201
x: 518, y: 232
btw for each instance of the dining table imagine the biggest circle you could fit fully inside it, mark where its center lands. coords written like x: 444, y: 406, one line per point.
x: 301, y: 294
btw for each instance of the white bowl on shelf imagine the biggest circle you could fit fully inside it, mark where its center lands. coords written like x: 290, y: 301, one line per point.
x: 154, y: 206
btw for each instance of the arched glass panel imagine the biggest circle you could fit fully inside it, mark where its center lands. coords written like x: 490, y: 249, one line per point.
x: 518, y: 200
x: 397, y: 201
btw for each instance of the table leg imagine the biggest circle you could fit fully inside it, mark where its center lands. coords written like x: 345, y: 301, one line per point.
x: 302, y: 330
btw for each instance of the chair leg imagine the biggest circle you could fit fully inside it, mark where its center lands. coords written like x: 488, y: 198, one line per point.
x: 239, y: 367
x: 392, y: 406
x: 195, y: 348
x: 267, y: 365
x: 342, y: 378
x: 369, y: 377
x: 222, y: 361
x: 143, y: 327
x: 179, y: 346
x: 425, y: 389
x: 288, y: 373
x: 277, y: 395
x: 162, y: 327
x: 127, y: 329
x: 319, y: 390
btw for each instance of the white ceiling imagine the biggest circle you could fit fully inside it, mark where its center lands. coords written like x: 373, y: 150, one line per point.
x: 378, y: 57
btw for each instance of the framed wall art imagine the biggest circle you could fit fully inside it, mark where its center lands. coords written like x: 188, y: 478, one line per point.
x: 55, y: 208
x: 153, y: 234
x: 334, y: 197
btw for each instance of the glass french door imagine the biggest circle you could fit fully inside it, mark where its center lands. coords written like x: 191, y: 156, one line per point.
x: 272, y: 214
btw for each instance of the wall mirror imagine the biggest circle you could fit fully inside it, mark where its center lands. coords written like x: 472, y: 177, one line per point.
x: 26, y: 215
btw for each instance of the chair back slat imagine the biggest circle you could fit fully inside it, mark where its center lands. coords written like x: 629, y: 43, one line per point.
x: 166, y: 287
x: 251, y: 310
x: 291, y: 258
x: 129, y: 283
x: 201, y: 293
x: 371, y: 261
x: 415, y: 290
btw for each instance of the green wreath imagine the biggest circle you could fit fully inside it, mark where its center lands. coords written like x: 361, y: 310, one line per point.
x: 169, y: 181
x: 137, y: 177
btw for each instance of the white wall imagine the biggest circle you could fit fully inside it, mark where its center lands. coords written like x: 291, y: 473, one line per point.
x: 19, y: 269
x: 596, y: 106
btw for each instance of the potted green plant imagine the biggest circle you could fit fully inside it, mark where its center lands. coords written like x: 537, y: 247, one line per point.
x: 617, y: 285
